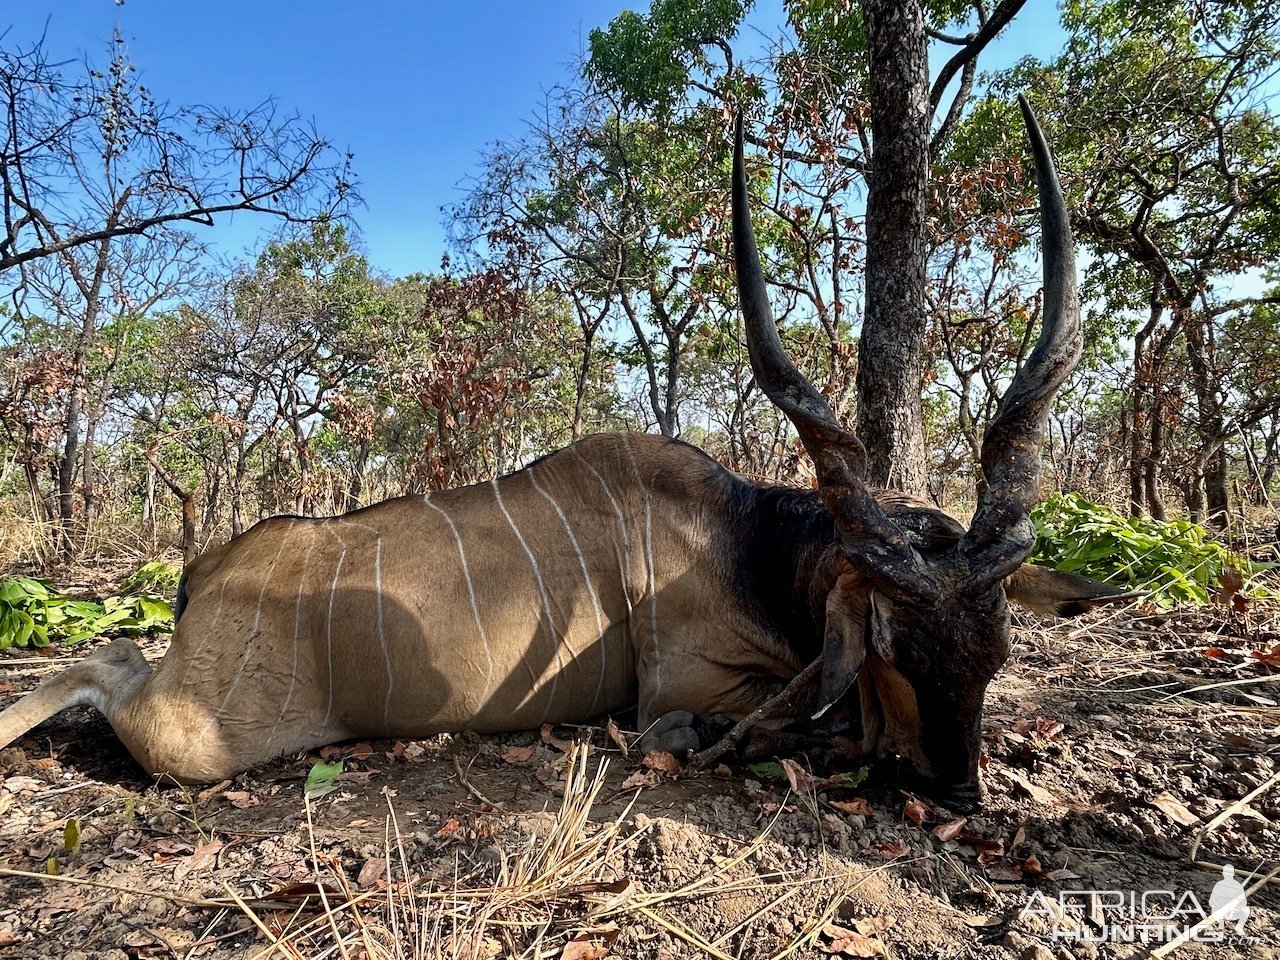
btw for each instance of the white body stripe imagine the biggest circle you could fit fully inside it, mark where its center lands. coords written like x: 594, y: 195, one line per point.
x: 471, y: 592
x: 586, y: 577
x: 556, y: 639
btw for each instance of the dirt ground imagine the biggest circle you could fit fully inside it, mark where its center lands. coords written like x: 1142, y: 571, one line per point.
x: 1114, y: 744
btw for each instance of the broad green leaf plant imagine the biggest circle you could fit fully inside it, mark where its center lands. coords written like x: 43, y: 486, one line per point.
x: 1175, y: 561
x: 32, y: 613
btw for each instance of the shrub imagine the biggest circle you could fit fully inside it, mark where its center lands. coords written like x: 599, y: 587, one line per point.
x: 1176, y: 561
x: 33, y: 614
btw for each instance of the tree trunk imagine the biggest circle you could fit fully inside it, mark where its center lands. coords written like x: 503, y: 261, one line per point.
x: 1151, y: 463
x: 1217, y: 491
x: 1210, y: 420
x: 890, y: 364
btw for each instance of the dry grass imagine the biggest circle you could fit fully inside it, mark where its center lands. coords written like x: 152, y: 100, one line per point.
x: 559, y: 893
x: 24, y: 540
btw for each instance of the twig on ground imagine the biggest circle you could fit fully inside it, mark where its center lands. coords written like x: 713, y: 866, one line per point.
x: 471, y: 788
x: 785, y: 704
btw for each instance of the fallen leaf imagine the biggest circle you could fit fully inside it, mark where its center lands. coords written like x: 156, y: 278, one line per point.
x: 301, y: 891
x: 915, y: 811
x: 889, y: 851
x: 851, y: 943
x: 985, y: 844
x: 950, y: 830
x: 519, y: 754
x: 16, y: 785
x: 661, y: 761
x: 549, y: 738
x: 642, y: 778
x: 1174, y: 809
x: 358, y: 776
x: 1216, y: 652
x: 1019, y: 838
x: 449, y: 827
x: 1231, y: 583
x: 800, y: 779
x: 616, y: 736
x: 242, y: 799
x: 371, y: 873
x: 869, y: 926
x: 1037, y: 793
x: 1270, y: 657
x: 361, y: 751
x: 200, y: 861
x: 322, y: 779
x: 984, y: 920
x: 998, y: 868
x: 857, y: 807
x: 583, y: 949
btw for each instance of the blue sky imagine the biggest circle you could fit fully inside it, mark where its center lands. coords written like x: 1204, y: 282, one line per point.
x: 415, y: 89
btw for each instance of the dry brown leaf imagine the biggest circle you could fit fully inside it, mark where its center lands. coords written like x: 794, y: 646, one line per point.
x: 210, y: 792
x: 242, y: 799
x: 449, y: 827
x: 870, y: 926
x: 1019, y: 838
x: 985, y: 844
x: 642, y: 778
x: 950, y: 830
x: 851, y: 943
x: 549, y: 738
x: 915, y: 811
x: 661, y: 761
x: 617, y: 737
x: 1035, y: 792
x: 1232, y: 582
x: 1174, y: 809
x: 889, y: 851
x: 998, y: 868
x: 301, y: 891
x: 202, y: 858
x: 800, y: 779
x: 583, y: 949
x: 1270, y: 657
x: 857, y: 807
x: 371, y: 873
x: 519, y: 755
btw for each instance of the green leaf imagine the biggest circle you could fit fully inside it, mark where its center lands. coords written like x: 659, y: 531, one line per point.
x: 767, y: 771
x: 71, y: 836
x: 323, y: 779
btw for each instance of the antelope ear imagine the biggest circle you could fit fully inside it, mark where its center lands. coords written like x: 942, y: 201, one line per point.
x: 1053, y: 593
x: 844, y: 642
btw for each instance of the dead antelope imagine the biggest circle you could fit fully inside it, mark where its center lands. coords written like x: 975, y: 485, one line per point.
x: 622, y: 571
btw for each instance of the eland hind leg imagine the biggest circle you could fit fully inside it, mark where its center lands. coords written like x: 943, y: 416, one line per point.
x: 105, y: 679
